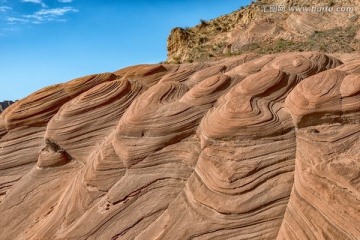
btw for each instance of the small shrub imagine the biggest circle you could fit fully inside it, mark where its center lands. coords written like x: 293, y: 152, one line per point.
x: 203, y: 23
x: 203, y: 39
x: 177, y: 59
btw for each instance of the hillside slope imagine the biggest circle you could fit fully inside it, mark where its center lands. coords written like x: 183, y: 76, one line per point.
x: 271, y: 26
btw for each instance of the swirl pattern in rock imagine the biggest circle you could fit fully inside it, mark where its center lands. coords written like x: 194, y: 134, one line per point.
x: 251, y: 147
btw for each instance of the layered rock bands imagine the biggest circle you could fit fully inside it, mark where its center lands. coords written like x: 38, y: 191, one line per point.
x: 250, y: 147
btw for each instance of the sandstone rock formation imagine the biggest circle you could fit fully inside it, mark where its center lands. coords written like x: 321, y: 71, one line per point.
x: 248, y: 147
x: 271, y: 26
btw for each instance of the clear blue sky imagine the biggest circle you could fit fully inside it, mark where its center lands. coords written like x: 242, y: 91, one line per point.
x: 43, y: 42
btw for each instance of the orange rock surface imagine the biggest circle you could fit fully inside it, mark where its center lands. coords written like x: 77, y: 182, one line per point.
x: 249, y: 147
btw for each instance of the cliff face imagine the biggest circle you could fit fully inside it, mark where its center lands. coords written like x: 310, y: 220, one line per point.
x: 271, y: 26
x: 4, y: 105
x: 260, y: 147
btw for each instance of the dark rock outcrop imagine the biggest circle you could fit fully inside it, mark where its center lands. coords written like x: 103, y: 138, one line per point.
x: 4, y: 105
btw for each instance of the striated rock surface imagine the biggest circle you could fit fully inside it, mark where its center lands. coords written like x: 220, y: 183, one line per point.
x: 249, y: 147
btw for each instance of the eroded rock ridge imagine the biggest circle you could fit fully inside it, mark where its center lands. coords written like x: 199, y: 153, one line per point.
x: 249, y: 147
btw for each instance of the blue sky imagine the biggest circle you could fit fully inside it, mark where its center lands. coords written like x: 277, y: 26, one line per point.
x: 43, y: 42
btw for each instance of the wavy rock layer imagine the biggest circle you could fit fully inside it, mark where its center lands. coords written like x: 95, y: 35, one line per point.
x: 252, y: 147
